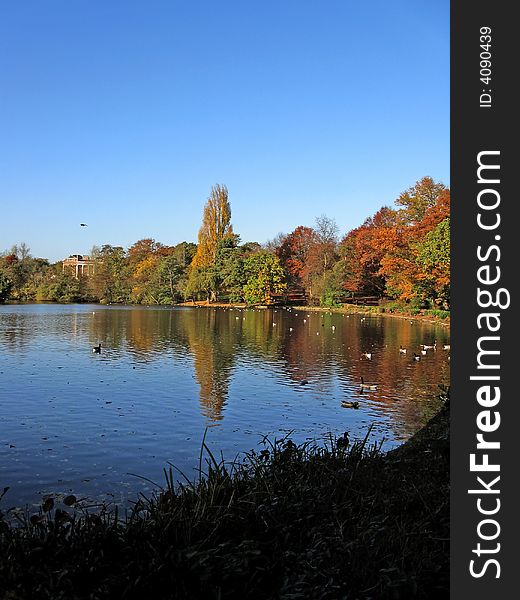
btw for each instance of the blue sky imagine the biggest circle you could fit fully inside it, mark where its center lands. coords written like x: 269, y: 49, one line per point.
x: 123, y: 114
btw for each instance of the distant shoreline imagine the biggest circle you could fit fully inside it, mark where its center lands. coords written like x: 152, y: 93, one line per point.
x: 424, y: 315
x: 344, y: 309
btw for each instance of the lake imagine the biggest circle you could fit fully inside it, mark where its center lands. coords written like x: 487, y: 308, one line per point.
x: 102, y: 425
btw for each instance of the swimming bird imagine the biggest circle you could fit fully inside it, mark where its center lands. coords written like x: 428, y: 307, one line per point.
x: 367, y: 355
x: 366, y: 386
x: 97, y: 349
x: 402, y: 350
x: 304, y: 382
x: 425, y: 347
x: 346, y: 404
x: 416, y: 357
x: 423, y: 352
x: 290, y: 329
x: 334, y: 328
x: 446, y: 347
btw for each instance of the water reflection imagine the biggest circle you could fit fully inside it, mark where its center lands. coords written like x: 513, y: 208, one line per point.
x: 254, y: 372
x: 315, y: 347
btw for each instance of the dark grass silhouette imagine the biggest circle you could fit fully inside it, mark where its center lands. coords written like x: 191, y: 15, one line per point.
x: 343, y: 520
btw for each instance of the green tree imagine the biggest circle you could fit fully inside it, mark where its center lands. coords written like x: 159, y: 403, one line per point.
x: 328, y: 287
x: 200, y: 283
x: 110, y: 282
x: 6, y: 286
x: 228, y: 272
x: 184, y: 253
x: 433, y: 258
x: 165, y: 283
x: 265, y: 278
x: 64, y: 287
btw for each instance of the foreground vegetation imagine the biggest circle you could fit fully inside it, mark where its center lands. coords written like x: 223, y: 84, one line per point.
x: 288, y: 522
x: 399, y: 253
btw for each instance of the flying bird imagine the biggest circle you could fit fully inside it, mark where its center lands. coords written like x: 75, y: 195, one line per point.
x: 83, y: 225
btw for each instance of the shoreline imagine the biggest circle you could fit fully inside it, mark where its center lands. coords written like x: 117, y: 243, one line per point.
x: 344, y: 309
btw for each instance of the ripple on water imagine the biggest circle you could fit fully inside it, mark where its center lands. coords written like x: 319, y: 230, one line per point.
x: 76, y: 421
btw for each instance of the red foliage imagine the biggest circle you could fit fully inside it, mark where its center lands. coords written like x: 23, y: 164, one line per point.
x: 10, y: 259
x: 294, y: 250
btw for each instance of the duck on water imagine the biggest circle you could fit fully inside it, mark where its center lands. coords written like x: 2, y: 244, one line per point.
x: 366, y: 386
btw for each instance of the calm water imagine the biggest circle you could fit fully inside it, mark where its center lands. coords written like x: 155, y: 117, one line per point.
x: 75, y: 421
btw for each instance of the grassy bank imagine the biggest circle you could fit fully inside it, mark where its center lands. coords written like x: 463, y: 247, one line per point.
x: 342, y: 521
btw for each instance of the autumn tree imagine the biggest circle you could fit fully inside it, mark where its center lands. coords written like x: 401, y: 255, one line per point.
x: 293, y: 250
x: 321, y: 256
x: 418, y: 199
x: 216, y: 225
x: 426, y: 205
x: 143, y: 259
x: 144, y: 248
x: 363, y: 249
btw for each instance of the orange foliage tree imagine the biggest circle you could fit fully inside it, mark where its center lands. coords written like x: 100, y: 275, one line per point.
x: 426, y: 205
x: 293, y: 252
x: 363, y: 249
x: 216, y: 225
x: 386, y: 255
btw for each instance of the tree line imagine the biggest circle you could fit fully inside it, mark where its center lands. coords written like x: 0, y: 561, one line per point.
x: 402, y: 253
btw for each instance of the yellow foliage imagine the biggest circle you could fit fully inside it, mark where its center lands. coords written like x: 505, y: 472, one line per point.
x: 216, y: 225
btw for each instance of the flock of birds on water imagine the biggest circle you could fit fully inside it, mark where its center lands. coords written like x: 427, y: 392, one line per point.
x: 364, y: 387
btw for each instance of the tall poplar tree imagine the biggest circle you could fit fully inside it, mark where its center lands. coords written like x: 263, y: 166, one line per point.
x: 216, y: 225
